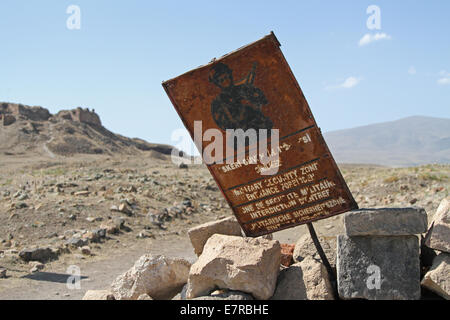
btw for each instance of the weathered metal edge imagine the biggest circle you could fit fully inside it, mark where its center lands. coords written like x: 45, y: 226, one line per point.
x: 238, y: 51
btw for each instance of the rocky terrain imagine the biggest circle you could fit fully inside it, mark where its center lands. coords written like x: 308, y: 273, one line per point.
x: 86, y: 207
x: 101, y: 211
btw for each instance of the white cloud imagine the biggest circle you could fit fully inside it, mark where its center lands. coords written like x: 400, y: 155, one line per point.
x: 445, y: 78
x: 412, y: 70
x: 348, y: 83
x: 443, y: 81
x: 368, y: 38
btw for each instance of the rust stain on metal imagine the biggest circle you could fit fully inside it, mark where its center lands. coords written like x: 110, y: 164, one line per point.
x: 254, y: 87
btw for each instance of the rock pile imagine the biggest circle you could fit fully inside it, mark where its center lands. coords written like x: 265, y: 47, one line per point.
x: 229, y: 267
x: 378, y: 257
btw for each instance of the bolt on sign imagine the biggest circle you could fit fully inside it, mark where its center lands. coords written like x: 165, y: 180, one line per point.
x: 254, y: 88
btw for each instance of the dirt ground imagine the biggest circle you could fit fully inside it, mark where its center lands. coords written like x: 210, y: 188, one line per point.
x: 48, y: 202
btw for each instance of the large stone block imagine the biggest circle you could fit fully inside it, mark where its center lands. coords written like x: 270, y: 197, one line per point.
x: 440, y: 236
x: 305, y: 248
x: 157, y: 276
x: 385, y: 222
x: 200, y: 234
x: 378, y: 268
x: 250, y: 265
x: 437, y: 278
x: 306, y: 280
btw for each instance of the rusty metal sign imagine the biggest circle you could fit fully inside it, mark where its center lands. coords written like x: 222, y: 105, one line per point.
x: 254, y: 87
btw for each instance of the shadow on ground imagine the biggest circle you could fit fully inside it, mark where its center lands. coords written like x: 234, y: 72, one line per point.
x: 52, y: 277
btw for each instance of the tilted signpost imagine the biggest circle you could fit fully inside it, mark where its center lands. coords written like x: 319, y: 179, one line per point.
x: 295, y: 180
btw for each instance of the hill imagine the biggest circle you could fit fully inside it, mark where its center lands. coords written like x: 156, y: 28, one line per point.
x: 26, y: 130
x: 406, y: 142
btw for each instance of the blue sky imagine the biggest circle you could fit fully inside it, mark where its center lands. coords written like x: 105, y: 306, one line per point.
x: 116, y: 61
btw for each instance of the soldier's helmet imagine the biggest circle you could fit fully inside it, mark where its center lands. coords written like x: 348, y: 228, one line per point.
x: 218, y: 72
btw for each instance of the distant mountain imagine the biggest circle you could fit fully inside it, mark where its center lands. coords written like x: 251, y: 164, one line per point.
x: 406, y: 142
x: 31, y: 131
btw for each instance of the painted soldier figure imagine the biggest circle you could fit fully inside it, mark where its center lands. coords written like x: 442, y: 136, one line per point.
x: 238, y: 105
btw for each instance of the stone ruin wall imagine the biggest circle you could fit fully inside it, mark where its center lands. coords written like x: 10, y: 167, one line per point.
x: 18, y: 111
x: 21, y: 111
x: 81, y: 115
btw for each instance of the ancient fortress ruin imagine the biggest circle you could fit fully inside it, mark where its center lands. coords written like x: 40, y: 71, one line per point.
x: 81, y: 115
x: 10, y: 112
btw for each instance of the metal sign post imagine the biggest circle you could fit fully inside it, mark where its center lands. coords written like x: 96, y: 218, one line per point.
x: 253, y: 88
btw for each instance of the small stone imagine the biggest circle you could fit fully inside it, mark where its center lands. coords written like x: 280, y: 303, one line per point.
x: 86, y: 250
x: 100, y: 233
x: 119, y: 222
x: 95, y: 235
x: 20, y: 205
x: 22, y: 197
x: 200, y: 234
x: 52, y: 235
x: 437, y: 279
x: 187, y: 203
x: 144, y: 235
x: 287, y: 251
x: 76, y: 242
x: 385, y: 222
x: 82, y: 193
x: 123, y: 207
x: 98, y: 295
x: 227, y: 295
x: 110, y: 228
x: 144, y: 297
x: 2, y: 273
x: 218, y: 292
x: 378, y: 268
x: 36, y: 266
